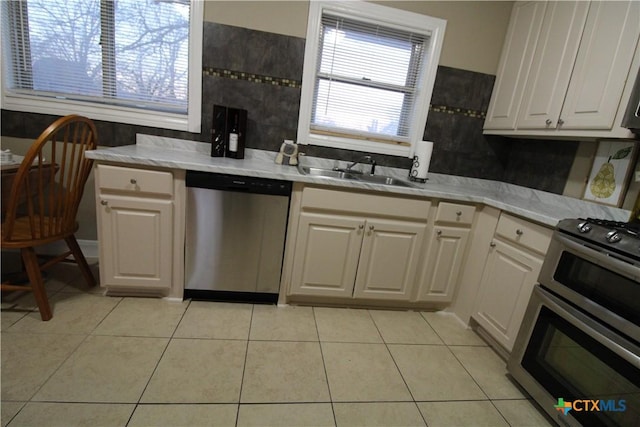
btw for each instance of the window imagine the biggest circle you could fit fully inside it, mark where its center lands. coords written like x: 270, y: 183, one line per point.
x: 128, y: 61
x: 368, y: 77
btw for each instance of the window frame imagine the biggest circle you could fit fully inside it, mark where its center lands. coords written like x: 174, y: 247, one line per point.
x: 191, y: 121
x: 384, y: 16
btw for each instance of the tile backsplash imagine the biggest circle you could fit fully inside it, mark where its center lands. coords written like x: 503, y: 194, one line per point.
x: 262, y: 73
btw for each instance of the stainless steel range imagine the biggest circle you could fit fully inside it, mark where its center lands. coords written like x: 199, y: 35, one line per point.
x: 578, y: 350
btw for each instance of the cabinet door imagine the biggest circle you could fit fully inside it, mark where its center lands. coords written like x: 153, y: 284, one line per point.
x: 505, y: 288
x: 326, y: 255
x: 389, y: 259
x: 552, y: 64
x: 136, y: 244
x: 604, y: 58
x: 515, y: 62
x: 444, y: 263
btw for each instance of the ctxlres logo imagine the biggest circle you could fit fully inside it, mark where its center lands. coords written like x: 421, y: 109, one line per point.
x: 590, y: 405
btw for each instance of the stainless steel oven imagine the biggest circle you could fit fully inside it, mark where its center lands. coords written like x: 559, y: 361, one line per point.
x: 577, y: 352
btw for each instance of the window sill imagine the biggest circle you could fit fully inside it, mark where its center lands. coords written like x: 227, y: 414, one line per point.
x: 356, y: 145
x: 107, y: 113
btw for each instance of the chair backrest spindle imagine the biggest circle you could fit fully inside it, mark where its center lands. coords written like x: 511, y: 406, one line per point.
x: 50, y: 181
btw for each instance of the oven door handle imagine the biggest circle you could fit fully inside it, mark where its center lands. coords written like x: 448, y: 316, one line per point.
x: 614, y: 342
x: 609, y: 261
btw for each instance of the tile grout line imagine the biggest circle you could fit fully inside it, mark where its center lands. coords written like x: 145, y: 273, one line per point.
x: 155, y: 368
x: 397, y: 367
x: 479, y: 386
x: 244, y: 365
x: 86, y: 336
x: 324, y: 366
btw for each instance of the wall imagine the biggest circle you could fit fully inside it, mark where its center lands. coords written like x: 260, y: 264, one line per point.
x: 473, y: 40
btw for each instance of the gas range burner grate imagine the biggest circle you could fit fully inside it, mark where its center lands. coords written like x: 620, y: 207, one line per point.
x: 629, y: 227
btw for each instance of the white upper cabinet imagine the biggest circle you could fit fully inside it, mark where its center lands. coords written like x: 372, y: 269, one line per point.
x: 515, y: 63
x: 552, y: 64
x: 564, y: 70
x: 602, y: 65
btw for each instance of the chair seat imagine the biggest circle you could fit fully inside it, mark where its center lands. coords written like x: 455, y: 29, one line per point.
x: 22, y: 236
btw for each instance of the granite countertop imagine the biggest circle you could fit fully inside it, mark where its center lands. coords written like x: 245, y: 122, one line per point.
x: 545, y: 208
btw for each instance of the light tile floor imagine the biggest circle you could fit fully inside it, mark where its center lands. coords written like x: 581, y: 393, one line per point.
x: 104, y: 361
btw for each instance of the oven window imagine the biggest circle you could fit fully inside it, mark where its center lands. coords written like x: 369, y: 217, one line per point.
x: 611, y: 290
x: 571, y: 365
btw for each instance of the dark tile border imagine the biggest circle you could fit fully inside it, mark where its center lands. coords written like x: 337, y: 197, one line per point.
x: 297, y: 84
x: 250, y: 77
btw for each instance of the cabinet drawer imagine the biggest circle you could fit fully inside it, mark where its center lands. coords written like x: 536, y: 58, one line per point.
x: 135, y: 180
x: 529, y: 235
x: 455, y: 213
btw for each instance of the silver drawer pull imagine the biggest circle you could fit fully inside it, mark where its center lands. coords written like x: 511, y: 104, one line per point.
x: 104, y: 202
x: 519, y: 232
x: 133, y: 181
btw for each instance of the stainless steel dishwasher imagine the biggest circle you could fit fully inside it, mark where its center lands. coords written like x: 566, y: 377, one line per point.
x: 236, y: 228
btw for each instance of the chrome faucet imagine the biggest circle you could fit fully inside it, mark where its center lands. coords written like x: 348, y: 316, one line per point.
x: 367, y: 159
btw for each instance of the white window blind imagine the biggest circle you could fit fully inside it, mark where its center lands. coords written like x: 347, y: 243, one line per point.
x: 125, y: 53
x: 366, y: 79
x: 368, y: 76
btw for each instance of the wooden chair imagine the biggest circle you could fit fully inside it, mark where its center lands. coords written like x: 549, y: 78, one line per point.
x: 44, y: 200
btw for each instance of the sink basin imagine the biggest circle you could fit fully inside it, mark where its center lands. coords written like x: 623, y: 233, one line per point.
x: 385, y: 180
x: 339, y: 174
x: 328, y: 173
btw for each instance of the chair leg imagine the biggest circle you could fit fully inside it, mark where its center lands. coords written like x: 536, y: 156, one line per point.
x: 37, y: 284
x: 81, y: 260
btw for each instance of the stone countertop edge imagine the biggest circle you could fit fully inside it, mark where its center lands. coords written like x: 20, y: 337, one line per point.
x: 539, y: 206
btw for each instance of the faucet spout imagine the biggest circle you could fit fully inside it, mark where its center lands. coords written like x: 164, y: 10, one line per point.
x: 365, y: 159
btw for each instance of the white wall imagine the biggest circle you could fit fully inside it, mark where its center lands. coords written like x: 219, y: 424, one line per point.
x: 473, y: 39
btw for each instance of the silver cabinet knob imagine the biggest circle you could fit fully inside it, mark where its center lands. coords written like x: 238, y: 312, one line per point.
x: 492, y: 244
x: 439, y: 233
x: 104, y: 202
x: 361, y: 226
x: 371, y: 227
x: 133, y: 181
x: 519, y: 232
x: 548, y: 122
x: 560, y: 122
x: 459, y: 213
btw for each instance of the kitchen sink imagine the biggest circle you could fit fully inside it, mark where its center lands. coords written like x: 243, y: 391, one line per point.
x: 385, y: 180
x: 340, y: 174
x: 327, y: 173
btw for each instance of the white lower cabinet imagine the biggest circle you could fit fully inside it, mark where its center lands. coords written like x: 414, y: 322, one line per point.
x: 444, y: 263
x: 327, y: 252
x: 447, y: 245
x: 339, y: 251
x: 140, y: 222
x: 506, y: 286
x: 388, y: 259
x: 345, y: 256
x: 137, y: 242
x: 515, y: 258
